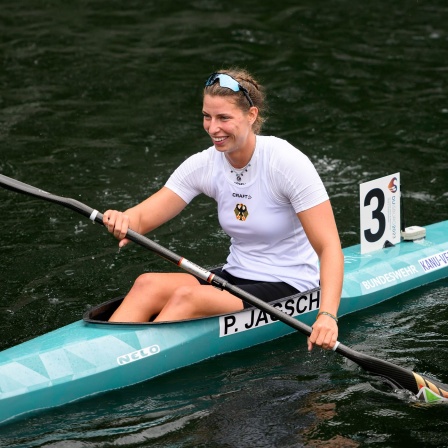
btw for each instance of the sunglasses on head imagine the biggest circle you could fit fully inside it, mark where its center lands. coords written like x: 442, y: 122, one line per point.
x: 228, y: 82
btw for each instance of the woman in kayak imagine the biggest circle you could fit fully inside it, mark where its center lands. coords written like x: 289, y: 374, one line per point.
x: 271, y: 202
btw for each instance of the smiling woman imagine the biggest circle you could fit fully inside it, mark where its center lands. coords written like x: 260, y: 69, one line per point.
x: 256, y: 181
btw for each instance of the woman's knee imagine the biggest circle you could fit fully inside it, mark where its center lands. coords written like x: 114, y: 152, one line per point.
x: 182, y: 296
x: 168, y: 282
x: 182, y: 304
x: 145, y: 281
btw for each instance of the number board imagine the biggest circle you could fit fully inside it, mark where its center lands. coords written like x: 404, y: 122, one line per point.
x: 380, y: 212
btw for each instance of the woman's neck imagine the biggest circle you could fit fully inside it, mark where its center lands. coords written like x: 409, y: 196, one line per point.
x: 241, y: 157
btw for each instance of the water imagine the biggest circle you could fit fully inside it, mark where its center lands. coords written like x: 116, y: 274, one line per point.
x: 100, y: 101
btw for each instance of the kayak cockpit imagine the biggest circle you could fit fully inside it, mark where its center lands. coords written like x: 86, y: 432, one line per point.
x: 101, y: 313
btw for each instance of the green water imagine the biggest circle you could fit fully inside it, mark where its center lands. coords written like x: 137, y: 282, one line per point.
x: 100, y: 101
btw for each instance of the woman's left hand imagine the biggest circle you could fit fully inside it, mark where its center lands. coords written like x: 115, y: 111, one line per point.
x: 324, y: 334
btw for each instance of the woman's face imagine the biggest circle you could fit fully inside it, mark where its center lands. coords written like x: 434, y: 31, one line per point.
x: 229, y: 127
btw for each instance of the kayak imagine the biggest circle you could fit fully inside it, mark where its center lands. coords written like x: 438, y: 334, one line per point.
x: 92, y: 356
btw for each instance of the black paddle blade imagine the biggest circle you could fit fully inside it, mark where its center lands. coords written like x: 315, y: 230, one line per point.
x: 19, y: 187
x: 398, y: 376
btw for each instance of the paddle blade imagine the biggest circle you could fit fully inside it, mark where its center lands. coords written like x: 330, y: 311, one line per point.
x: 399, y: 377
x: 19, y: 187
x: 430, y: 390
x: 427, y: 395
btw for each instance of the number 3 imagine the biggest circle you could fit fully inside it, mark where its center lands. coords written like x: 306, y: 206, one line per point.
x: 376, y: 214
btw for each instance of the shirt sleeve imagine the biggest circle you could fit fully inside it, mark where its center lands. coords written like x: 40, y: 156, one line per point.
x: 191, y: 178
x: 295, y: 179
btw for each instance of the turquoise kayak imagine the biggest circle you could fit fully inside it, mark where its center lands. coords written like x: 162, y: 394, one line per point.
x: 92, y: 356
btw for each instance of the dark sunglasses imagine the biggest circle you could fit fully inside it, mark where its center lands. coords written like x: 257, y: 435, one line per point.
x: 228, y: 82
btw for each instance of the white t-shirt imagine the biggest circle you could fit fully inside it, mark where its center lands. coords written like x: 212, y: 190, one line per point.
x: 258, y: 212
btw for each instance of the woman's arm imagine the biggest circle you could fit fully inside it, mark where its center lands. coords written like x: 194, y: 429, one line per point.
x: 320, y: 227
x: 146, y: 216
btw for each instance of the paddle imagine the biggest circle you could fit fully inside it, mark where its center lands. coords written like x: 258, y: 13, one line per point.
x: 399, y: 377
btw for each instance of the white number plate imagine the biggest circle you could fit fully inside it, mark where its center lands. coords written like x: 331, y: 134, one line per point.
x: 380, y: 212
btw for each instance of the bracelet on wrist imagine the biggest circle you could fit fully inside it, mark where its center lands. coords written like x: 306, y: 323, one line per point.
x: 325, y: 313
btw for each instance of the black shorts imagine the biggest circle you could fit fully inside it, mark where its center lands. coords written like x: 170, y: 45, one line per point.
x: 266, y: 291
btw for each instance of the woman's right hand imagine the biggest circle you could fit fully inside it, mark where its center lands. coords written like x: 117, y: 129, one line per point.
x: 117, y: 223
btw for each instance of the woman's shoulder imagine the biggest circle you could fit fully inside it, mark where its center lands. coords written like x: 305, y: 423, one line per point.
x: 203, y: 157
x: 280, y: 150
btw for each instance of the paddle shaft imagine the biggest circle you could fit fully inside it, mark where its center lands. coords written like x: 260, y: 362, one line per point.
x: 398, y: 376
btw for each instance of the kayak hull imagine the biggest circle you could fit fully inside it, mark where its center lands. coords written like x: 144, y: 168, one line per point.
x: 92, y: 356
x: 84, y: 358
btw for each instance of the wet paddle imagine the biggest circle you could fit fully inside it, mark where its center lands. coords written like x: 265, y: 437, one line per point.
x: 399, y: 377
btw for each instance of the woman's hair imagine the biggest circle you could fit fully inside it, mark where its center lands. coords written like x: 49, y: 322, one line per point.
x: 254, y: 90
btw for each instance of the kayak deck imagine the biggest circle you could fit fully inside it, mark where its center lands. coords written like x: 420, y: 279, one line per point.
x: 377, y: 276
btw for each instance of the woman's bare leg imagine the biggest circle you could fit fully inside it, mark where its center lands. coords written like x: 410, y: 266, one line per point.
x: 149, y: 294
x: 192, y: 301
x: 173, y: 296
